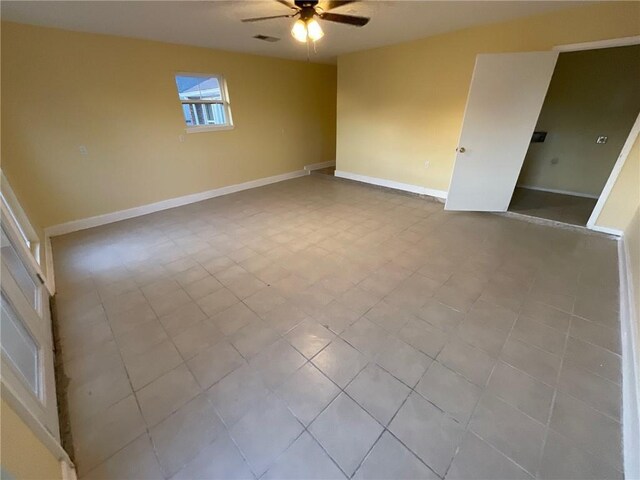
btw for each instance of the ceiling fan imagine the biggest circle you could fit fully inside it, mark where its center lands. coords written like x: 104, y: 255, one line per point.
x: 307, y: 27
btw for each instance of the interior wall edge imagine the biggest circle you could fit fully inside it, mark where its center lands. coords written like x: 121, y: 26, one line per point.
x: 630, y: 364
x: 50, y: 273
x: 596, y: 218
x: 319, y: 165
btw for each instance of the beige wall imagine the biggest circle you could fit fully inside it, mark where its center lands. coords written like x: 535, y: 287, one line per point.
x: 22, y: 455
x: 592, y: 93
x: 624, y: 199
x: 401, y: 106
x: 632, y: 239
x: 117, y: 97
x: 622, y: 212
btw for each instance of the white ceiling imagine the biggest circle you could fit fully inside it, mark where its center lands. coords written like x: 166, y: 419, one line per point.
x: 216, y: 24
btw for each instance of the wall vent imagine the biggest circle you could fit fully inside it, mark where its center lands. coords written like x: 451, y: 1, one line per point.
x: 267, y: 38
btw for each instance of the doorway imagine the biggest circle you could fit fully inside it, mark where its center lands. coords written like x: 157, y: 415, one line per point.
x: 588, y: 112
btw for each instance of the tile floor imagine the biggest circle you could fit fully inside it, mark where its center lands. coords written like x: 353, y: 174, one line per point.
x: 319, y: 328
x: 552, y: 206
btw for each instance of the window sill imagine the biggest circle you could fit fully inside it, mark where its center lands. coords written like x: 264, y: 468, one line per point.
x: 208, y: 128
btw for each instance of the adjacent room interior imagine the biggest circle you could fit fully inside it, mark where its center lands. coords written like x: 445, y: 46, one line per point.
x: 326, y: 239
x: 589, y: 110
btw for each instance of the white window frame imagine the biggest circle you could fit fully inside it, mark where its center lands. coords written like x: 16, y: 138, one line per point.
x: 18, y: 220
x: 37, y: 321
x: 224, y: 101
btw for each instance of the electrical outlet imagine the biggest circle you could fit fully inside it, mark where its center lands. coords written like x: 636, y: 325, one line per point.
x: 426, y: 164
x: 83, y: 150
x: 602, y: 139
x: 181, y: 138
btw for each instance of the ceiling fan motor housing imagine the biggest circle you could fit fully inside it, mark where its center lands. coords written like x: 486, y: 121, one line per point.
x: 306, y: 3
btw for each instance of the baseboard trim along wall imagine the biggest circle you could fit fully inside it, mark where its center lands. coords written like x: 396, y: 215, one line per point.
x: 381, y: 182
x: 562, y: 192
x: 318, y: 166
x: 630, y: 365
x: 90, y: 222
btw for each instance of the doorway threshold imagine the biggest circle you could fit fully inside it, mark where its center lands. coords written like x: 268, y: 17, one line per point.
x: 554, y: 223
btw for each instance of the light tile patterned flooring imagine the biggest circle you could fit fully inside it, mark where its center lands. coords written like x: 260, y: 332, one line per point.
x: 319, y: 328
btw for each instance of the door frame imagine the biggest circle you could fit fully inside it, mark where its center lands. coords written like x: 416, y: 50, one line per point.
x: 633, y: 134
x: 611, y: 181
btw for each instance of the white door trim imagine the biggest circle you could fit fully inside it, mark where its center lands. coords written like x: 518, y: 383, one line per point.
x: 630, y: 364
x: 613, y: 42
x: 617, y: 168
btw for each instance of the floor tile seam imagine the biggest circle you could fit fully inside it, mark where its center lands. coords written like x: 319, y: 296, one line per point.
x: 169, y: 337
x: 387, y: 429
x: 592, y: 372
x: 384, y: 428
x: 600, y: 324
x: 553, y: 400
x: 485, y: 392
x: 133, y: 393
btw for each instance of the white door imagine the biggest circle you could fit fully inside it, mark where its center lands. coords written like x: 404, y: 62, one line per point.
x: 25, y: 332
x: 506, y: 96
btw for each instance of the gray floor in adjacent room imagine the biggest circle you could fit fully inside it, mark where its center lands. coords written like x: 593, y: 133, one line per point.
x: 320, y: 328
x: 552, y: 206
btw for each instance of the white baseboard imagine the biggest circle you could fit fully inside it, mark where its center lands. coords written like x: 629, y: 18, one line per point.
x: 318, y: 166
x: 98, y: 220
x: 562, y: 192
x: 630, y: 365
x: 607, y: 230
x: 406, y: 187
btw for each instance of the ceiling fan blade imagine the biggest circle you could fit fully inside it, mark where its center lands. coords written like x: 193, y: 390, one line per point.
x: 331, y: 4
x: 259, y: 19
x: 346, y: 19
x: 287, y: 4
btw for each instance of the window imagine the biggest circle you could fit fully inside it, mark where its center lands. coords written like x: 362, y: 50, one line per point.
x: 30, y: 287
x: 19, y: 347
x: 205, y: 103
x: 18, y: 220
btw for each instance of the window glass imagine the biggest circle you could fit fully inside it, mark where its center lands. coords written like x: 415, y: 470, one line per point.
x: 18, y: 346
x: 203, y: 101
x: 198, y: 88
x: 18, y: 271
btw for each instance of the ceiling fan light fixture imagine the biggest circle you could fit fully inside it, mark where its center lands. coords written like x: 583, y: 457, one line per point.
x: 299, y: 31
x: 314, y: 31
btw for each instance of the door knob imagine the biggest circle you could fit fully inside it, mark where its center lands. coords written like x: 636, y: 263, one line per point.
x: 462, y: 149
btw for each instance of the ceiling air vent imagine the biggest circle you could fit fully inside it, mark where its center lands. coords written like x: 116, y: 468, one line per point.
x: 267, y: 38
